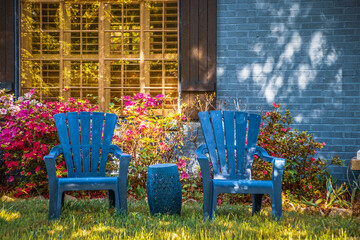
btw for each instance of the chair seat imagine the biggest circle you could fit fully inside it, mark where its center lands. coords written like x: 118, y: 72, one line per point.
x: 89, y: 183
x: 243, y: 186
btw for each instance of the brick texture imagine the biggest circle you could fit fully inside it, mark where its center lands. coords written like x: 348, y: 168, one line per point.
x: 302, y: 54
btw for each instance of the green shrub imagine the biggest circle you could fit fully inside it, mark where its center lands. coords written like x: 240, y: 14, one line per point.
x: 149, y: 138
x: 304, y: 175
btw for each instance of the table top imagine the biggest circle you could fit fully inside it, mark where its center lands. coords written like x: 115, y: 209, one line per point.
x: 163, y: 168
x: 162, y: 165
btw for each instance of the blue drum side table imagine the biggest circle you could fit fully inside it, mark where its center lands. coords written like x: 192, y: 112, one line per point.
x: 164, y: 189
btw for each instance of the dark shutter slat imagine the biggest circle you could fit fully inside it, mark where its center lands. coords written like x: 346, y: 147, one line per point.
x: 212, y: 23
x: 198, y: 45
x: 203, y: 42
x: 2, y: 40
x: 194, y: 42
x: 10, y: 61
x: 185, y: 41
x: 7, y: 57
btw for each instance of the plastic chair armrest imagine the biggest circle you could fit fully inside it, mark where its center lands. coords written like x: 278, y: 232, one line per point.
x: 206, y: 178
x: 51, y: 168
x: 124, y: 159
x: 204, y: 163
x: 50, y: 160
x: 278, y: 163
x: 263, y: 154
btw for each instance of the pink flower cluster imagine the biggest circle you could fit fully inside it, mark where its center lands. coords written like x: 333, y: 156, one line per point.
x: 149, y: 137
x: 28, y: 133
x: 182, y: 169
x: 140, y: 103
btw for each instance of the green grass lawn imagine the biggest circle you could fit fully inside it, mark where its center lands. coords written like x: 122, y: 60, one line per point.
x: 27, y: 219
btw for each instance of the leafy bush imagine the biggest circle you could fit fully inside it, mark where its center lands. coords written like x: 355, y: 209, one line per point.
x: 304, y: 175
x: 27, y: 133
x: 149, y: 138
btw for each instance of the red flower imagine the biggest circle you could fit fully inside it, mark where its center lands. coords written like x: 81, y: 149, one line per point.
x: 275, y: 105
x: 10, y: 179
x: 184, y: 175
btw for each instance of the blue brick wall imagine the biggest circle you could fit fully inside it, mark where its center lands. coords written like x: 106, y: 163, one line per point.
x: 302, y: 54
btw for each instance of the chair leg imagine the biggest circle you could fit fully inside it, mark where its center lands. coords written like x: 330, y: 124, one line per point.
x: 117, y: 201
x: 214, y: 196
x: 62, y: 199
x: 112, y: 199
x: 52, y: 205
x: 276, y: 205
x: 122, y: 196
x: 59, y: 202
x: 207, y: 206
x: 256, y: 199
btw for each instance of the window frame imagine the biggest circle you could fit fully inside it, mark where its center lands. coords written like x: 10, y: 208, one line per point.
x: 102, y: 88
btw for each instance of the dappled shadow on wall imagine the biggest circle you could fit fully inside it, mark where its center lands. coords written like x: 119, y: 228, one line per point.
x: 292, y: 62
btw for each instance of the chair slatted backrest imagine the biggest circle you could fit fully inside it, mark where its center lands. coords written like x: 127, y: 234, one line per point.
x: 231, y: 139
x: 86, y: 140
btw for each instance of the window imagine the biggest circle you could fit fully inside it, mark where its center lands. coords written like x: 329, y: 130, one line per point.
x: 100, y: 50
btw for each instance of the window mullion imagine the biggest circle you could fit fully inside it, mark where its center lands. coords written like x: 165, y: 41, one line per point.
x: 66, y: 49
x: 101, y: 75
x: 61, y: 48
x: 121, y: 55
x: 106, y: 53
x: 142, y: 47
x: 81, y: 52
x: 146, y: 50
x: 41, y: 52
x: 163, y: 49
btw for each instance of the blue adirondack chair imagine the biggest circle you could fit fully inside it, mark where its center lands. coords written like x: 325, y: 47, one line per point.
x: 230, y: 141
x: 85, y: 142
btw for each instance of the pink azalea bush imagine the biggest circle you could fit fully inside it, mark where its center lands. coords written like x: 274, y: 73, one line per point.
x: 27, y: 133
x: 304, y: 175
x: 150, y: 138
x: 191, y: 183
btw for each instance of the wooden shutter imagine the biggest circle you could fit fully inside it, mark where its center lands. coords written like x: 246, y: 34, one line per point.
x: 197, y: 49
x: 7, y: 37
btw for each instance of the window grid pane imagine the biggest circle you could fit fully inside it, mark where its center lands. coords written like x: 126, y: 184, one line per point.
x: 138, y: 52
